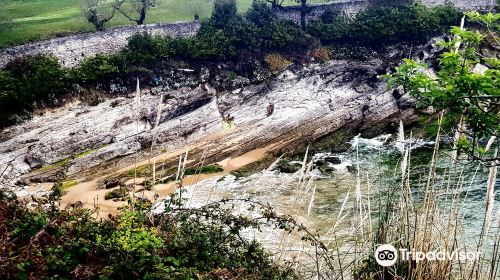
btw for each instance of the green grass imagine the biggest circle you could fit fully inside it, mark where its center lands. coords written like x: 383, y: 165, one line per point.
x: 208, y: 169
x: 88, y: 152
x: 32, y: 20
x: 68, y: 184
x: 53, y: 166
x: 147, y: 171
x: 63, y: 162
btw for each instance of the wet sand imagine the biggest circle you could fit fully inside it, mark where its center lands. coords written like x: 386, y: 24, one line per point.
x: 91, y: 197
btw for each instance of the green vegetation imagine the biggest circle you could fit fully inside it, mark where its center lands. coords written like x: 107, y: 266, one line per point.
x: 223, y: 36
x: 63, y: 162
x: 30, y: 20
x: 180, y: 244
x: 143, y: 171
x: 88, y: 152
x: 53, y: 166
x: 381, y: 25
x: 120, y: 193
x: 69, y: 183
x: 23, y: 82
x: 34, y: 20
x: 465, y: 86
x: 208, y: 169
x: 147, y: 171
x: 40, y: 81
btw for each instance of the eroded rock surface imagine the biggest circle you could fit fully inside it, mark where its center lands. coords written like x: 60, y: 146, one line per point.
x: 306, y: 104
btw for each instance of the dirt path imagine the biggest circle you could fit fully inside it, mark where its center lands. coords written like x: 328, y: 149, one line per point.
x: 91, y: 197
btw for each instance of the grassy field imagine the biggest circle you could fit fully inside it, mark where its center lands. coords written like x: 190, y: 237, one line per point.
x: 31, y: 20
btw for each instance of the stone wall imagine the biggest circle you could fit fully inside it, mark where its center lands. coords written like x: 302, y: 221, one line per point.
x: 73, y: 49
x: 350, y: 7
x: 479, y: 5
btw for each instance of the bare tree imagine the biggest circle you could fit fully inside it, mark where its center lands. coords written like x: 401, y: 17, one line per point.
x: 198, y: 9
x: 304, y: 10
x: 276, y: 3
x: 135, y: 10
x: 98, y: 12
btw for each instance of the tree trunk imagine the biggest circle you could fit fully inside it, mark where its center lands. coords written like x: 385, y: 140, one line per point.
x: 303, y: 13
x: 99, y: 26
x: 142, y: 15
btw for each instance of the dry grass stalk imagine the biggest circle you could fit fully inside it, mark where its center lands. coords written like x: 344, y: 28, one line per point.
x: 400, y: 143
x: 488, y: 217
x: 429, y: 224
x: 137, y: 119
x: 157, y: 122
x: 459, y: 133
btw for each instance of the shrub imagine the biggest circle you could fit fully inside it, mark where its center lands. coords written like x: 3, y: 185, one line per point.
x: 282, y: 34
x: 74, y: 245
x: 141, y: 46
x: 381, y: 24
x: 226, y: 32
x: 390, y: 3
x: 100, y: 68
x: 137, y: 247
x: 208, y: 169
x: 120, y: 192
x: 276, y: 63
x: 260, y: 14
x: 144, y: 47
x: 333, y: 26
x: 41, y: 77
x: 272, y: 33
x: 321, y: 54
x: 10, y: 101
x: 331, y: 16
x: 447, y: 15
x: 225, y: 12
x: 414, y: 23
x: 26, y: 82
x: 223, y: 34
x: 211, y: 43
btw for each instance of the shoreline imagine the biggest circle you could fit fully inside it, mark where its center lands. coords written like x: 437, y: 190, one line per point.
x: 90, y: 196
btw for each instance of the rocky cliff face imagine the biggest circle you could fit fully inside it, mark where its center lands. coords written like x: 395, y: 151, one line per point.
x: 296, y: 107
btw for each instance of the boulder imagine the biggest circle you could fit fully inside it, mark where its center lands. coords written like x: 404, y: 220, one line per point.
x: 285, y: 166
x: 332, y: 160
x: 113, y: 183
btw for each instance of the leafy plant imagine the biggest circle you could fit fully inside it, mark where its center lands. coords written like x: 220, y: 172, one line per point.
x: 465, y: 85
x: 24, y: 82
x: 386, y: 24
x: 276, y: 63
x: 98, y: 69
x: 178, y: 244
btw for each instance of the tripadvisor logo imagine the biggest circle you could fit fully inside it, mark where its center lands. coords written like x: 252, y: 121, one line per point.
x: 387, y: 255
